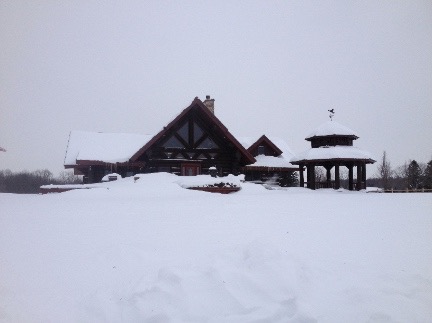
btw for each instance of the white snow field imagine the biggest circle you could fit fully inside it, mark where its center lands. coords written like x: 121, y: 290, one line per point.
x: 152, y: 251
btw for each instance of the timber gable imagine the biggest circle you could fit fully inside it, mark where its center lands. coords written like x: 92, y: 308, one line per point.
x: 264, y: 146
x: 194, y: 137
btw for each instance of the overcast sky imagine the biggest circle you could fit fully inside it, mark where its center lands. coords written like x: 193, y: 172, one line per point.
x: 273, y: 67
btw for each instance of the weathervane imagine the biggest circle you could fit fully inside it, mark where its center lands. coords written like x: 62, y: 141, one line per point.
x: 332, y: 112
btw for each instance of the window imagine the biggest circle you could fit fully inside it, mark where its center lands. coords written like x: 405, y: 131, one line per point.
x: 184, y: 132
x: 173, y: 142
x: 208, y: 144
x: 261, y: 150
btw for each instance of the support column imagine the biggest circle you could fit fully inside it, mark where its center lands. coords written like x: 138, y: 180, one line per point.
x: 90, y: 176
x: 364, y: 175
x: 350, y: 178
x: 301, y: 175
x: 313, y: 184
x: 309, y: 170
x: 328, y: 169
x: 359, y: 177
x: 337, y: 177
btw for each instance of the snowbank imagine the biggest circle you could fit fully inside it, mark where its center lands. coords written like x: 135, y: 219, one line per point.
x: 150, y: 251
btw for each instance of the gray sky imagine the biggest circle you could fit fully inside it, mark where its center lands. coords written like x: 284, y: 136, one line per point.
x: 274, y: 67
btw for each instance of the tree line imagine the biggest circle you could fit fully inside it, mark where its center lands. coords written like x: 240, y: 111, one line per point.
x: 411, y: 175
x: 26, y: 182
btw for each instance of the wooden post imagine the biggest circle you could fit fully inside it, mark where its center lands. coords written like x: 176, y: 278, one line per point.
x: 301, y: 175
x: 364, y: 175
x: 337, y: 177
x: 328, y: 169
x: 350, y: 178
x: 90, y: 175
x: 313, y: 184
x: 359, y: 177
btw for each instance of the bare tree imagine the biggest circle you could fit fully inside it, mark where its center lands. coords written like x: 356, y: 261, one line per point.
x: 385, y: 172
x: 68, y: 177
x: 320, y: 174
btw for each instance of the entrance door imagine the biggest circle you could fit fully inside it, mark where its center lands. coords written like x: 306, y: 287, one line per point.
x: 190, y: 169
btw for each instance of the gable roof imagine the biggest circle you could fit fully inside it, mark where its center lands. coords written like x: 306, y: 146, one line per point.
x: 199, y: 106
x: 264, y: 139
x: 283, y: 161
x: 280, y: 143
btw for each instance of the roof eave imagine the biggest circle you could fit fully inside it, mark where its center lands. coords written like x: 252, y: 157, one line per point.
x: 303, y: 161
x: 333, y: 135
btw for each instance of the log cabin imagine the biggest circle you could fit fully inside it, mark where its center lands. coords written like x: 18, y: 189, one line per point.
x: 192, y: 143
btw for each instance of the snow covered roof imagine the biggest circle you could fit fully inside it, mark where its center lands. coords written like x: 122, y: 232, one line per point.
x: 103, y: 147
x: 334, y: 152
x: 331, y: 128
x: 279, y: 142
x: 120, y: 147
x: 270, y: 161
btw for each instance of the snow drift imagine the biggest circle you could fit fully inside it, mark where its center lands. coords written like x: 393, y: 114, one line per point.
x: 152, y: 251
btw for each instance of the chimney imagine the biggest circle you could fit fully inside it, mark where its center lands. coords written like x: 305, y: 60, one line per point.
x: 209, y: 103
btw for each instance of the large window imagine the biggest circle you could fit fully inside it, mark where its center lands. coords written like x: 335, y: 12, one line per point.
x: 173, y: 142
x: 198, y: 132
x: 184, y: 132
x: 208, y: 143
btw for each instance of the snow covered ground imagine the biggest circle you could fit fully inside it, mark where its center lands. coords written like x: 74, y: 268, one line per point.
x: 152, y: 251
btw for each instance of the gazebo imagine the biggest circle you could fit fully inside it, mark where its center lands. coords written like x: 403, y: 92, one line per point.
x: 332, y: 146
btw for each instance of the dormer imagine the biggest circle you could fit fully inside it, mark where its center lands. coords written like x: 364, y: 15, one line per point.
x: 264, y: 146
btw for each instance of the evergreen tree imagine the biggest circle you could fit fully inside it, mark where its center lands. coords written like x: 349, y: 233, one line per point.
x: 289, y: 179
x: 427, y: 181
x: 414, y: 174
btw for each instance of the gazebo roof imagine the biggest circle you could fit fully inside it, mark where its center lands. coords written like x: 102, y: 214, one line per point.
x: 332, y: 128
x: 330, y: 153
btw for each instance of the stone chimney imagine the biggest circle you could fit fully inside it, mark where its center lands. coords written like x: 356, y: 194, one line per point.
x: 209, y: 103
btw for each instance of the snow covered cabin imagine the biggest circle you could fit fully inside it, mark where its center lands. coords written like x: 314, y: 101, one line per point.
x: 189, y: 145
x: 332, y: 146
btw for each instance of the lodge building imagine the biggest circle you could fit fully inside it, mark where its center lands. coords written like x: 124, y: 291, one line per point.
x: 189, y: 145
x: 196, y: 140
